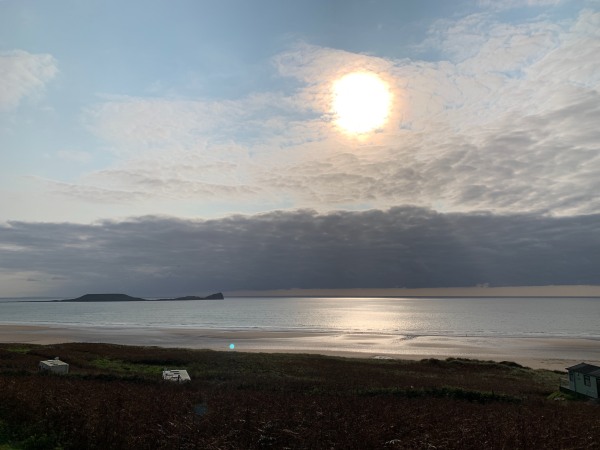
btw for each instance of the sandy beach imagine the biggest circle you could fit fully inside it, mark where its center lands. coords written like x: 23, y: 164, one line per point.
x: 547, y: 353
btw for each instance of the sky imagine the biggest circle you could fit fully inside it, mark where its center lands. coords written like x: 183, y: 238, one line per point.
x: 185, y: 147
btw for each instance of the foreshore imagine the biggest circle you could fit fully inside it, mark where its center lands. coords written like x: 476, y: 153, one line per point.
x: 535, y: 352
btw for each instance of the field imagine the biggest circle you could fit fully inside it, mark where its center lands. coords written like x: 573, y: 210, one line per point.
x: 114, y: 398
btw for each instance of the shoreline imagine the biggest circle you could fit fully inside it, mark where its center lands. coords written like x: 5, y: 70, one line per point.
x: 554, y: 353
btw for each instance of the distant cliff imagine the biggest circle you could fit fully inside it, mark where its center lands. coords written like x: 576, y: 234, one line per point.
x: 128, y: 298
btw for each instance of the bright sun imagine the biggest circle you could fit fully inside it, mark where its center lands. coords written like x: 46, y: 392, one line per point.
x: 361, y: 102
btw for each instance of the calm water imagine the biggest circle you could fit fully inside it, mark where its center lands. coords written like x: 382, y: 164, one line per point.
x: 539, y: 317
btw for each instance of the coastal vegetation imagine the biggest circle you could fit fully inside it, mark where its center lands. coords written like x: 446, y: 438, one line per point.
x: 114, y: 397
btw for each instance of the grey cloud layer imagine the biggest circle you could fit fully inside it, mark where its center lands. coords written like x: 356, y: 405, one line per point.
x: 404, y: 246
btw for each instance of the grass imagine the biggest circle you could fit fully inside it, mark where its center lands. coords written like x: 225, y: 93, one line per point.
x: 18, y: 349
x: 114, y: 397
x: 6, y: 441
x: 115, y: 365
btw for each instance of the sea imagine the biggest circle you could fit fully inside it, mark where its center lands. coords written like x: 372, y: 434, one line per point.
x: 484, y: 317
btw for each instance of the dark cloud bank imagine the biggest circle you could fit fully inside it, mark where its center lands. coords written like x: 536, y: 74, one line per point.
x: 402, y: 247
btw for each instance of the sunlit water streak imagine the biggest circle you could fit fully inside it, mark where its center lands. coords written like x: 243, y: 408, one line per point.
x: 508, y: 317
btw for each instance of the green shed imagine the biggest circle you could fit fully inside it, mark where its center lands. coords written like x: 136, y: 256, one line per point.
x: 584, y: 379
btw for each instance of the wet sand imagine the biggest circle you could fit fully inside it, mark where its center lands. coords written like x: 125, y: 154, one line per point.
x: 547, y: 353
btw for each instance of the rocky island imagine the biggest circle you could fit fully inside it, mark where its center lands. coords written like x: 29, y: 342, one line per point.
x: 128, y: 298
x: 217, y: 296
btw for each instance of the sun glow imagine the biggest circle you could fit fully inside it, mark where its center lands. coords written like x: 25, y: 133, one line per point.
x: 361, y: 102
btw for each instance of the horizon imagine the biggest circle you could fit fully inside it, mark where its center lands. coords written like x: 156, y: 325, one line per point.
x: 548, y: 291
x: 177, y: 149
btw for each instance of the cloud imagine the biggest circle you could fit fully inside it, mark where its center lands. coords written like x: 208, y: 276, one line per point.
x: 509, y: 127
x: 407, y: 246
x: 176, y: 175
x: 512, y: 4
x: 573, y: 61
x: 505, y: 122
x: 134, y: 125
x: 22, y: 75
x: 94, y: 194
